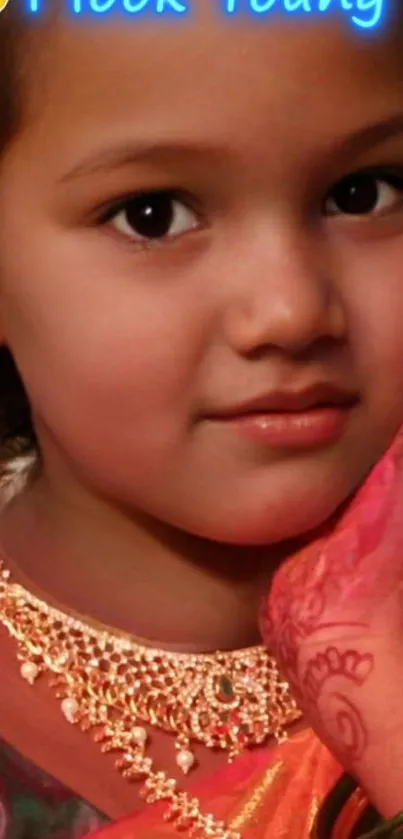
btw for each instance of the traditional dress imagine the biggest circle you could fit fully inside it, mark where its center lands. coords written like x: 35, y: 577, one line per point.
x: 265, y: 793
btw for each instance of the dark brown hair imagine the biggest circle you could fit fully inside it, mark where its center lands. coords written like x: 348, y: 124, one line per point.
x: 17, y: 435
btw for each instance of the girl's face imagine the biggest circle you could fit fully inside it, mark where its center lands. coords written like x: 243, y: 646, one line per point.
x: 260, y: 269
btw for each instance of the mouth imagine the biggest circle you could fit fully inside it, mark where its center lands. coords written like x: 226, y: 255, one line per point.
x: 320, y: 395
x: 315, y: 416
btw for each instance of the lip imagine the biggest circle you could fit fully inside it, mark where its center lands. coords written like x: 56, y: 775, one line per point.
x: 312, y: 417
x: 290, y: 401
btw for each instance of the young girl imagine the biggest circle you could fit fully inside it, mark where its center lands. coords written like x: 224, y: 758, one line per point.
x: 201, y: 238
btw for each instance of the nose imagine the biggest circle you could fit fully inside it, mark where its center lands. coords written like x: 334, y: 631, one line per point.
x: 283, y: 295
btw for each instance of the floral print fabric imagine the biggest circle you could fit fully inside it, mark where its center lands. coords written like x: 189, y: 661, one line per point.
x: 35, y: 806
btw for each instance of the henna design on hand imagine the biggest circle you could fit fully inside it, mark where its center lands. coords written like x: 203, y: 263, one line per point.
x: 334, y: 615
x: 331, y: 663
x: 343, y: 720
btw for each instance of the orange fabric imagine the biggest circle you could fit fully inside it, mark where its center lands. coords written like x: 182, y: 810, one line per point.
x: 350, y: 815
x: 263, y: 795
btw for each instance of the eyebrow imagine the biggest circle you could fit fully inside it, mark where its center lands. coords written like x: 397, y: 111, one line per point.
x: 129, y: 153
x: 371, y: 135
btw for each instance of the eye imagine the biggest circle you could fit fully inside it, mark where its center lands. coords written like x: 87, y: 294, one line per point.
x: 152, y: 216
x: 365, y: 194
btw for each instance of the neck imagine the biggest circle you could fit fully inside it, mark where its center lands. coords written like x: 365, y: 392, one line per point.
x: 177, y: 591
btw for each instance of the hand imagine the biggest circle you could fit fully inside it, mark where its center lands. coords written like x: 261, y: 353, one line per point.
x: 334, y: 620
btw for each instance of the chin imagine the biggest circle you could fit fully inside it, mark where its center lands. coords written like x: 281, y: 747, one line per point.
x: 270, y: 524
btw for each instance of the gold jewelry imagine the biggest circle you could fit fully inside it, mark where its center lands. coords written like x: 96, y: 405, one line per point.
x: 108, y: 682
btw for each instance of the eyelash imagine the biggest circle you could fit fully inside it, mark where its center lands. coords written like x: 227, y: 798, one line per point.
x: 392, y: 177
x: 175, y: 197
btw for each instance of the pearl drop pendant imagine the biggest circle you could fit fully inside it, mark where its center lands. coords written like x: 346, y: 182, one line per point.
x: 29, y: 671
x: 70, y: 709
x: 139, y: 735
x: 185, y: 760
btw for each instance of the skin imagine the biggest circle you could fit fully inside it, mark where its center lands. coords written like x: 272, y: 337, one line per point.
x: 334, y: 618
x: 125, y: 350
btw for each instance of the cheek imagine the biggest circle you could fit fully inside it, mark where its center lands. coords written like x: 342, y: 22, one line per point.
x: 379, y: 346
x: 104, y: 357
x: 373, y: 298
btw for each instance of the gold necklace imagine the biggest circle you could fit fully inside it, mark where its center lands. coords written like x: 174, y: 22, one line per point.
x: 108, y: 682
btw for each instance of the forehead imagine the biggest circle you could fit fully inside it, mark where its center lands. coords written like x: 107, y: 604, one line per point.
x: 210, y: 75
